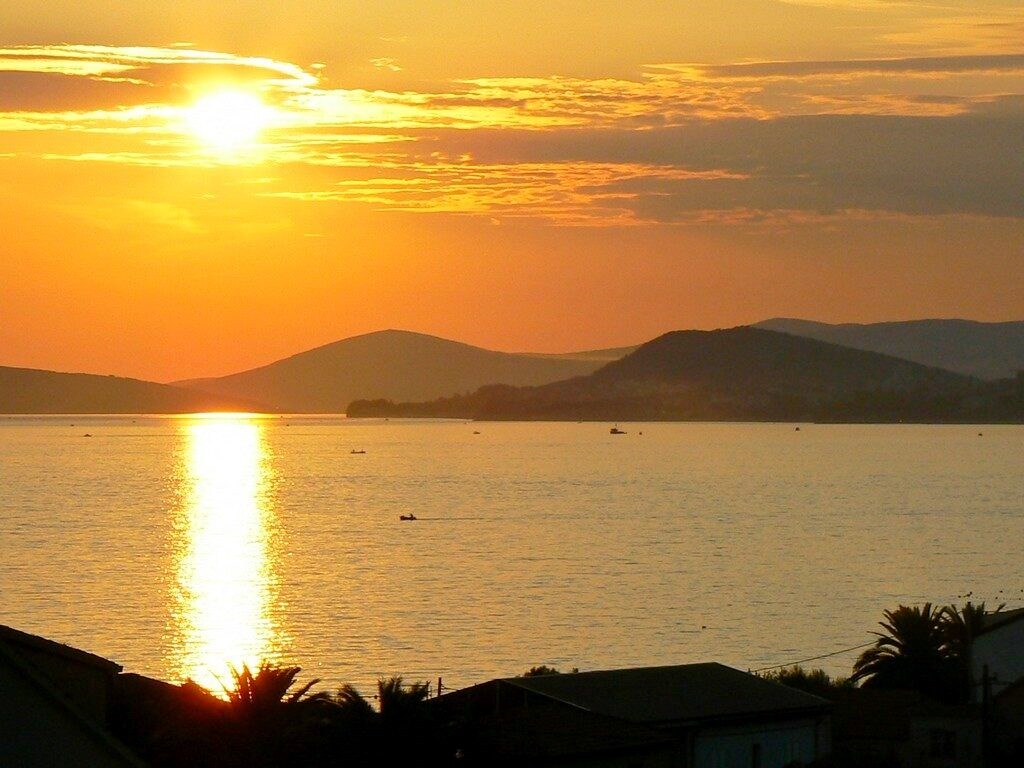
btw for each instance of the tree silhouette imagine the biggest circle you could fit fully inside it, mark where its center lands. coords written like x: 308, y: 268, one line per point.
x: 924, y: 649
x: 544, y: 669
x: 352, y: 704
x: 399, y: 731
x: 910, y: 654
x: 398, y: 700
x: 266, y: 692
x: 814, y: 681
x: 269, y: 724
x: 960, y: 626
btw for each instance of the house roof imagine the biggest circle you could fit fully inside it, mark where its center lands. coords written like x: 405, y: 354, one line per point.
x: 997, y: 619
x: 15, y: 638
x: 687, y: 692
x: 31, y: 703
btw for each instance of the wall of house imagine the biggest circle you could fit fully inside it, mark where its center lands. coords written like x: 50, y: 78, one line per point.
x: 665, y: 757
x: 762, y: 745
x: 1002, y: 649
x: 87, y: 686
x: 1008, y: 725
x: 38, y: 730
x: 549, y: 733
x: 944, y: 742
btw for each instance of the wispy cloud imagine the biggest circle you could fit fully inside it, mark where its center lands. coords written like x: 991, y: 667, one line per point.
x: 929, y: 66
x: 386, y: 63
x: 965, y: 32
x: 578, y: 193
x: 101, y: 60
x: 925, y: 135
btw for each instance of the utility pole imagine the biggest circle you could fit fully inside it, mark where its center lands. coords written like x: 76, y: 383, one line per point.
x: 986, y: 717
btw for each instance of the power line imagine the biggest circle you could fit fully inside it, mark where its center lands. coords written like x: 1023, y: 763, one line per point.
x: 856, y: 647
x: 814, y: 658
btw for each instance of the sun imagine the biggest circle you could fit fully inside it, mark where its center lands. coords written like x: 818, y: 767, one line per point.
x: 228, y: 121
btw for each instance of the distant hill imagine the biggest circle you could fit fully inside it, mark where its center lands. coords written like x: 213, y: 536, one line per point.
x: 737, y: 374
x: 396, y: 365
x: 986, y: 350
x: 601, y: 356
x: 27, y: 390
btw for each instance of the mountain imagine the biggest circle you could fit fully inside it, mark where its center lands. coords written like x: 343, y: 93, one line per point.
x: 986, y: 350
x: 396, y: 365
x: 27, y: 390
x: 600, y: 356
x: 743, y: 374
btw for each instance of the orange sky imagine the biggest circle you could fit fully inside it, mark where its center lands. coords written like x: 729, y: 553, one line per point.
x: 527, y: 176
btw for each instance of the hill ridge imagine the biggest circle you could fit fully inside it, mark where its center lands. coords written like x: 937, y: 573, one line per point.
x: 988, y: 350
x: 742, y: 374
x: 36, y: 390
x: 392, y: 363
x: 320, y: 348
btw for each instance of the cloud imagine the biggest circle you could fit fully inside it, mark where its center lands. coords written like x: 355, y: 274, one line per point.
x: 914, y: 165
x: 924, y: 65
x: 919, y: 136
x: 100, y: 60
x: 386, y: 63
x: 580, y: 193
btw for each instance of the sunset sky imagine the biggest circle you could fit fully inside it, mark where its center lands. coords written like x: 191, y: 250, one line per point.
x: 193, y: 188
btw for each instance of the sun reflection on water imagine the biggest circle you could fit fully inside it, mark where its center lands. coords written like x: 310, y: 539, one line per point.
x: 225, y: 557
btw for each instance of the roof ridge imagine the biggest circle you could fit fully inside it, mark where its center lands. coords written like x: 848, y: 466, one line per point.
x: 15, y: 636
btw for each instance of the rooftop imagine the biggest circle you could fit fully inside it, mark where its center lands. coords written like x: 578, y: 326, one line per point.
x: 670, y: 694
x: 998, y: 618
x: 14, y: 637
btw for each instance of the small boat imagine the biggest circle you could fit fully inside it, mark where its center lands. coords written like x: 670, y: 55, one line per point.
x: 359, y: 452
x: 407, y: 517
x: 615, y: 431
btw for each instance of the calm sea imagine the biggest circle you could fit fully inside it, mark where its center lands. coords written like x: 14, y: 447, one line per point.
x: 174, y: 545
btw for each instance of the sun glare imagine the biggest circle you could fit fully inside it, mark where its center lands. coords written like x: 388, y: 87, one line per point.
x: 225, y: 590
x: 228, y: 122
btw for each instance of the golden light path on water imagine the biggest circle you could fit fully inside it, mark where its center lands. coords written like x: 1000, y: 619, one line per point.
x: 225, y: 583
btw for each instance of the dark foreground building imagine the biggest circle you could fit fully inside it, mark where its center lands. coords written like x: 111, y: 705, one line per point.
x: 54, y: 703
x: 689, y: 716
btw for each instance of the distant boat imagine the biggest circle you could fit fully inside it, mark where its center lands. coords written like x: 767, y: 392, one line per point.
x: 357, y: 452
x: 615, y: 431
x: 407, y: 517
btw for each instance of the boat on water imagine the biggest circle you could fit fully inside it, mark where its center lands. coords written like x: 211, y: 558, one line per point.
x: 616, y: 431
x: 357, y: 452
x: 407, y: 517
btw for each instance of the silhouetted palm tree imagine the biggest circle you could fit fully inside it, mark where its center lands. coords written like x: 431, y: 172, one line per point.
x: 960, y: 626
x: 269, y: 724
x: 399, y: 701
x: 910, y: 654
x: 399, y: 731
x: 254, y: 695
x: 406, y: 725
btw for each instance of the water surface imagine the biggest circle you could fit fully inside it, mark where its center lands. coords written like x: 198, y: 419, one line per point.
x: 175, y: 545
